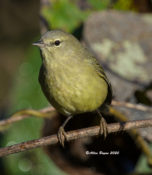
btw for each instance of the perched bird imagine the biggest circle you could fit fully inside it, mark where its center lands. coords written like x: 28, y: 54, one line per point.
x: 71, y: 78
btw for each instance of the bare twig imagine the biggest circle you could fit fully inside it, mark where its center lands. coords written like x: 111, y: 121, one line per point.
x: 20, y: 115
x: 72, y: 135
x: 132, y: 106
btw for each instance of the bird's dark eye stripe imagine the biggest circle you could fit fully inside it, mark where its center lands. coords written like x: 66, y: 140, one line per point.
x: 57, y: 42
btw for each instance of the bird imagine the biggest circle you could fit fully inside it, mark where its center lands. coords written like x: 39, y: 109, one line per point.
x: 72, y: 79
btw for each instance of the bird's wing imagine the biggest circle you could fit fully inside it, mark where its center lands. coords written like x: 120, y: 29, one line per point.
x: 102, y: 74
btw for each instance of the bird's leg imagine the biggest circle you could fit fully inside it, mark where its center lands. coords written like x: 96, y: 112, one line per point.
x: 61, y: 133
x: 103, y: 125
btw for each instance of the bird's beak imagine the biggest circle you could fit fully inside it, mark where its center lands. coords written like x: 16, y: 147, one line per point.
x: 38, y: 43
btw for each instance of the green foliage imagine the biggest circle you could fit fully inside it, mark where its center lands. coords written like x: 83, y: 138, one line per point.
x: 66, y: 15
x: 142, y: 166
x: 63, y: 14
x: 124, y: 5
x: 27, y: 90
x: 98, y: 4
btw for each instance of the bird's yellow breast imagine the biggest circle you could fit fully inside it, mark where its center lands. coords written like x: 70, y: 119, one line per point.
x: 73, y: 89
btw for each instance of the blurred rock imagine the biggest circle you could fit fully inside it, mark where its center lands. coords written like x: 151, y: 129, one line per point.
x: 123, y: 42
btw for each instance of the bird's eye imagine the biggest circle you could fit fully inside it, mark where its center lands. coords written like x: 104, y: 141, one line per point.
x: 57, y: 42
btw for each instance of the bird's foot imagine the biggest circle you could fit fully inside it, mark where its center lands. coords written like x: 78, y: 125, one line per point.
x: 103, y: 127
x: 62, y: 136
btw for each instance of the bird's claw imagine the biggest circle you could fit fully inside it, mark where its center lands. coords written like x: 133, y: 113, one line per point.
x: 62, y: 136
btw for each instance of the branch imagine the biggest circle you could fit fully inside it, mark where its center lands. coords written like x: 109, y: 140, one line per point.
x: 132, y: 106
x: 72, y: 135
x: 20, y: 115
x: 45, y: 112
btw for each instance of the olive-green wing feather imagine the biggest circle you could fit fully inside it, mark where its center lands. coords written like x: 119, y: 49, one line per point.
x: 109, y: 95
x: 102, y: 74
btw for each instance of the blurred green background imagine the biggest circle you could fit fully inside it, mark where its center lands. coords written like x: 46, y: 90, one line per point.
x: 20, y: 63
